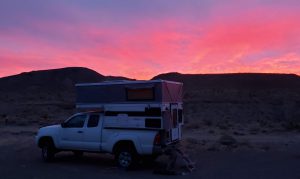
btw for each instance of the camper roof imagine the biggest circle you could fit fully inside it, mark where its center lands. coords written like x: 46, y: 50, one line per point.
x: 113, y: 82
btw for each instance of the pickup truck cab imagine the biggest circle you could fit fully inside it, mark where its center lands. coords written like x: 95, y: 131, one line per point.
x: 88, y: 132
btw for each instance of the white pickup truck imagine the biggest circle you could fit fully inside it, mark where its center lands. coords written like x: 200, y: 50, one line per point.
x: 133, y: 118
x: 86, y: 132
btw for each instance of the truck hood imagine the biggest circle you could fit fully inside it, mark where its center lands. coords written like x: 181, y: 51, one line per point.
x: 48, y: 131
x: 52, y: 127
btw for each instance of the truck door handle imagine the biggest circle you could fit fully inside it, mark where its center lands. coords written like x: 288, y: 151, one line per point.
x: 80, y: 132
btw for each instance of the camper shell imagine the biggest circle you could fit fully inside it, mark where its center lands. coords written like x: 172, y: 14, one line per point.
x: 129, y: 92
x: 146, y: 105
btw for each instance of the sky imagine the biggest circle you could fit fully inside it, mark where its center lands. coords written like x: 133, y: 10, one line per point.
x: 141, y: 38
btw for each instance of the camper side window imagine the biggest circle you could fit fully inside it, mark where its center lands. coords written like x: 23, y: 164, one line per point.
x: 140, y: 94
x: 180, y: 115
x: 174, y: 114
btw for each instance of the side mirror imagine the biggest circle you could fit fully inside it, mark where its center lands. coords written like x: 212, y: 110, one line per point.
x: 63, y: 125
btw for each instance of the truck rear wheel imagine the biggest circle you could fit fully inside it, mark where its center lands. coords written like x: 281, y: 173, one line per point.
x: 48, y: 151
x: 126, y: 157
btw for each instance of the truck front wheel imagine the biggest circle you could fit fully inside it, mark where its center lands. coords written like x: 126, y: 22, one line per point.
x: 48, y: 151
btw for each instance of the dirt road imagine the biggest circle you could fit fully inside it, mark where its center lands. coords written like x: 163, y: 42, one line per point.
x: 20, y: 158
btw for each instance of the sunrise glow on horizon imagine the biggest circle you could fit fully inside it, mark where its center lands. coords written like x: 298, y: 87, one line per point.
x: 140, y: 39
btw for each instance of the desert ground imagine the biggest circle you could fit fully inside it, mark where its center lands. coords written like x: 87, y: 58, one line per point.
x: 218, y: 154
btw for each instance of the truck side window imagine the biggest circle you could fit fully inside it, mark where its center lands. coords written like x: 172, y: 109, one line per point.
x: 174, y: 115
x: 76, y: 122
x: 93, y: 121
x: 180, y: 115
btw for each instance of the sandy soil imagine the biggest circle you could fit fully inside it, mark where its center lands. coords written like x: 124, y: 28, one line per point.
x: 274, y: 155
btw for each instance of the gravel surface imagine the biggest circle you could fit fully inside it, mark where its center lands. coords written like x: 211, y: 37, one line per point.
x: 20, y: 158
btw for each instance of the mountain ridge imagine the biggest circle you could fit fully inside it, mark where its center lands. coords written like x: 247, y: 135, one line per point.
x: 231, y: 98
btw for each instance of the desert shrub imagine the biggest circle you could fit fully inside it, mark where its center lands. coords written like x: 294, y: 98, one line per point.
x: 45, y: 116
x: 238, y: 133
x: 227, y: 140
x: 192, y: 125
x: 191, y: 141
x: 68, y: 106
x: 292, y: 125
x: 245, y: 143
x: 223, y: 126
x: 21, y: 123
x: 207, y: 122
x: 254, y: 130
x: 211, y: 131
x: 265, y: 148
x: 213, y: 148
x: 10, y: 122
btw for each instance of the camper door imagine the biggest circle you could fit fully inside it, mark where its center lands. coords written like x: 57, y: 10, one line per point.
x: 176, y: 125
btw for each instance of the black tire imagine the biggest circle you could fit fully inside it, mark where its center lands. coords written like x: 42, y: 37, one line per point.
x: 78, y: 154
x: 48, y: 151
x: 126, y: 157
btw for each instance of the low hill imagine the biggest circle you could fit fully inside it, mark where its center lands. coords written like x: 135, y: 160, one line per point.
x: 223, y: 100
x: 56, y: 79
x: 44, y: 95
x: 230, y: 99
x: 235, y: 80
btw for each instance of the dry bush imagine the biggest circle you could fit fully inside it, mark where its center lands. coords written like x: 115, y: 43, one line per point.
x: 227, y: 140
x: 292, y: 125
x: 192, y: 125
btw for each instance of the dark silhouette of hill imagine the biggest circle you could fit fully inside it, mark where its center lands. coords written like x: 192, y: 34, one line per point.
x: 235, y: 80
x: 265, y: 99
x: 215, y: 99
x: 52, y: 80
x: 45, y: 95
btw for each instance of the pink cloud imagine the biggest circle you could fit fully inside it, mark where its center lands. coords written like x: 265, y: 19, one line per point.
x: 225, y: 42
x: 229, y: 42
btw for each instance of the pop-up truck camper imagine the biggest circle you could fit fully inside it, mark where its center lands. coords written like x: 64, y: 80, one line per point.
x: 155, y: 105
x: 125, y: 118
